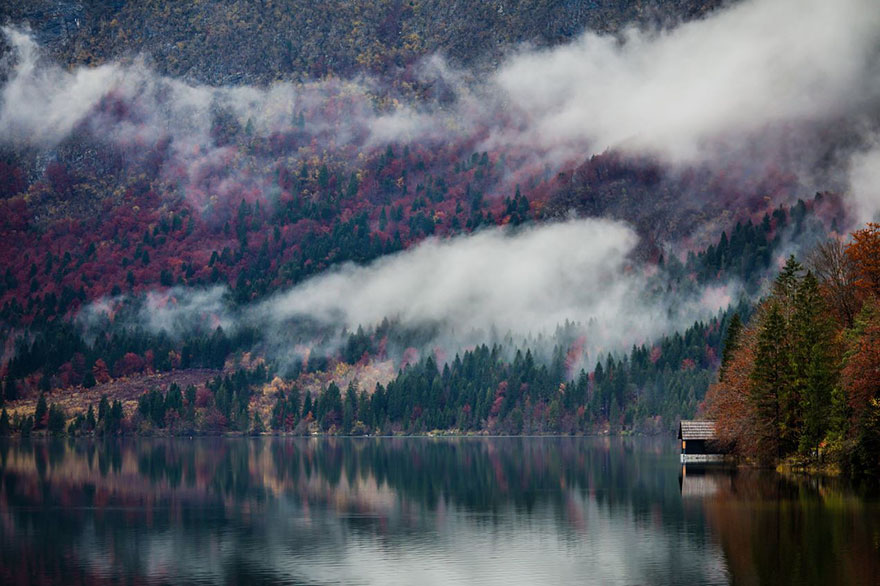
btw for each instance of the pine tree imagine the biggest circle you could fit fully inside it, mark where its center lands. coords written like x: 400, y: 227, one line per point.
x: 731, y: 344
x: 103, y: 408
x: 349, y: 408
x: 27, y: 424
x: 258, y: 426
x: 116, y: 415
x: 90, y: 419
x: 41, y: 412
x: 5, y: 428
x: 814, y: 366
x: 278, y: 412
x: 57, y: 419
x: 771, y: 378
x: 11, y: 390
x: 786, y: 284
x: 307, y: 405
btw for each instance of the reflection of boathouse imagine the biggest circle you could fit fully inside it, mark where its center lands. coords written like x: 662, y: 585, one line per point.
x: 698, y: 481
x: 698, y: 441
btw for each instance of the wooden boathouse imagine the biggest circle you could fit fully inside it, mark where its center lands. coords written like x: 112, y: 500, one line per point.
x: 699, y: 441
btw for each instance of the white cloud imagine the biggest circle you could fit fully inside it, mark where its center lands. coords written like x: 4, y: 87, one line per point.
x: 865, y: 184
x: 680, y: 94
x: 523, y: 282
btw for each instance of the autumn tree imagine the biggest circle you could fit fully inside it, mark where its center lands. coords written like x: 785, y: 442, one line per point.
x: 836, y: 272
x: 864, y: 252
x: 861, y: 371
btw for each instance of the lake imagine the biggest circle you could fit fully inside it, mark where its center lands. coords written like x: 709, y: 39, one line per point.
x: 418, y: 511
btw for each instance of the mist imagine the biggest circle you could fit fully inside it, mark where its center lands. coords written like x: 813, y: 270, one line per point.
x: 757, y: 83
x: 864, y: 175
x: 688, y: 92
x: 521, y: 283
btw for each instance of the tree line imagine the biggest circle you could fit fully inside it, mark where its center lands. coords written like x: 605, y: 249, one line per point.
x: 800, y: 380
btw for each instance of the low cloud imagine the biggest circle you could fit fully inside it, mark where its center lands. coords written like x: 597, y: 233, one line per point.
x: 497, y: 284
x: 691, y: 91
x: 864, y: 175
x: 522, y: 282
x: 757, y: 85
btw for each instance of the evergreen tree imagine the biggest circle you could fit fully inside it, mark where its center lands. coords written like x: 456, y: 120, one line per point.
x: 279, y: 412
x: 786, y: 284
x: 114, y: 418
x: 258, y: 426
x: 330, y: 407
x: 57, y: 419
x: 349, y: 408
x: 41, y: 412
x: 5, y: 428
x: 11, y: 390
x: 27, y: 424
x: 771, y: 378
x: 814, y: 366
x: 731, y: 343
x: 307, y: 406
x: 174, y: 398
x: 103, y: 409
x: 90, y: 419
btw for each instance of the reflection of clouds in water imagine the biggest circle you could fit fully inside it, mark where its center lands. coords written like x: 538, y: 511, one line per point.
x: 447, y: 546
x: 523, y: 549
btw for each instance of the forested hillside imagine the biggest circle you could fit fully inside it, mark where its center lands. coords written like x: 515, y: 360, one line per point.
x: 230, y: 41
x: 407, y: 217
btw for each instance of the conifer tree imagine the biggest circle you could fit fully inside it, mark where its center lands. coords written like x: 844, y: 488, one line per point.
x: 5, y: 428
x: 814, y: 366
x: 771, y: 378
x: 258, y: 426
x: 41, y: 412
x: 349, y: 408
x: 57, y: 418
x: 731, y: 344
x: 307, y: 405
x: 90, y: 419
x: 786, y: 284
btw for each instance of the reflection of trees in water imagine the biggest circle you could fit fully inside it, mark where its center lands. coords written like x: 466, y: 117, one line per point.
x: 793, y: 530
x: 302, y: 491
x: 478, y: 475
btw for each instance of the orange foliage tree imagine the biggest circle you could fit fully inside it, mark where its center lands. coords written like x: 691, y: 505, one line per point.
x: 728, y: 401
x: 864, y: 251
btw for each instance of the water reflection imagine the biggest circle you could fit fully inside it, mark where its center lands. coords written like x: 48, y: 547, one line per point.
x: 419, y: 510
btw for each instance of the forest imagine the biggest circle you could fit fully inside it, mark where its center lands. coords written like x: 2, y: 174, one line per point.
x: 798, y: 381
x: 143, y: 236
x: 509, y: 386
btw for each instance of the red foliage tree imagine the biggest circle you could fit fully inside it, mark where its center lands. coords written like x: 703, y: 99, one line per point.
x: 100, y: 371
x: 861, y: 372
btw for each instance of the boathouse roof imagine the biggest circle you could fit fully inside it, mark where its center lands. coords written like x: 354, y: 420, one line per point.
x: 694, y: 429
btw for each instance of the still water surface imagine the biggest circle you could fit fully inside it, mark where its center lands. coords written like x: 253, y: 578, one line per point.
x: 418, y: 511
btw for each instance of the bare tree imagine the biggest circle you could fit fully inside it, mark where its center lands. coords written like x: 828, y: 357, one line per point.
x: 837, y: 273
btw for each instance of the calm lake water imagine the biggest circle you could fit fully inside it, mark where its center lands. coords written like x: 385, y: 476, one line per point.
x: 418, y: 511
